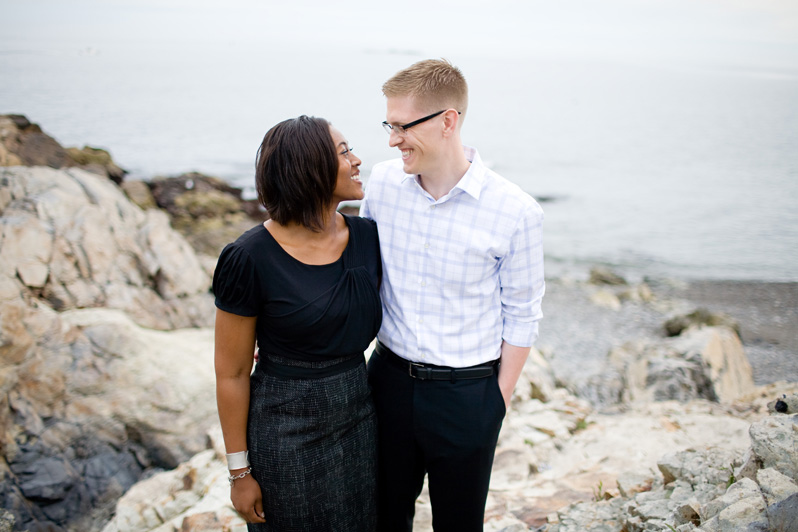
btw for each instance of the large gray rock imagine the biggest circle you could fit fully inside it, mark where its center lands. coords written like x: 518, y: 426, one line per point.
x: 774, y: 441
x: 783, y: 516
x: 775, y: 487
x: 719, y: 349
x: 95, y: 401
x: 741, y: 506
x: 73, y: 239
x: 601, y: 516
x: 89, y: 397
x: 707, y: 466
x: 705, y: 363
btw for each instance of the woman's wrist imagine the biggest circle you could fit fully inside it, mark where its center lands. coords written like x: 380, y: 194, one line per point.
x: 239, y: 460
x: 233, y: 476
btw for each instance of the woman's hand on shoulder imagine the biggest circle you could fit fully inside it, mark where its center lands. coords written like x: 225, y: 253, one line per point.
x: 247, y: 499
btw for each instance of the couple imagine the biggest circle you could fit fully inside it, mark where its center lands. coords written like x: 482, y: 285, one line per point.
x: 461, y: 280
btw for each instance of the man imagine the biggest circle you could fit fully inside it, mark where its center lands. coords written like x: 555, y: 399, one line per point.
x: 462, y: 287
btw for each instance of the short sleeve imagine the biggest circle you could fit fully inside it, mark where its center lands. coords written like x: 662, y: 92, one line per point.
x: 235, y: 282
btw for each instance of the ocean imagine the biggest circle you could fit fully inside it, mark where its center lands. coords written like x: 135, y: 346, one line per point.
x: 661, y: 169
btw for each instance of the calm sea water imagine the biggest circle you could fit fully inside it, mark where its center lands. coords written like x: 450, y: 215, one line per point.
x: 667, y: 171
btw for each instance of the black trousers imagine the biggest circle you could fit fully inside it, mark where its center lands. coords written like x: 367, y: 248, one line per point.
x: 445, y: 429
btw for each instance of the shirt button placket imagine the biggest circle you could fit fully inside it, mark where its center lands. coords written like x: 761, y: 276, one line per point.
x: 422, y: 274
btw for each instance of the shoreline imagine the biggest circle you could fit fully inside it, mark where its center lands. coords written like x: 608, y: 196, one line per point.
x: 577, y: 334
x: 767, y: 313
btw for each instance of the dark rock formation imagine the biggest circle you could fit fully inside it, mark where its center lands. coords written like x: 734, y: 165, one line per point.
x: 23, y: 143
x: 206, y: 210
x: 676, y: 325
x: 98, y: 161
x: 605, y: 276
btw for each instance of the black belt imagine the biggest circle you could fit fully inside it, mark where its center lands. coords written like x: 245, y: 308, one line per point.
x: 436, y: 373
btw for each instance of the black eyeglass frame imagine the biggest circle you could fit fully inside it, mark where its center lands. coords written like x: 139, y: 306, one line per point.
x: 402, y: 129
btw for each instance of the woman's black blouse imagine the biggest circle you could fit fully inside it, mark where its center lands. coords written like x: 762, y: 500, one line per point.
x: 307, y: 312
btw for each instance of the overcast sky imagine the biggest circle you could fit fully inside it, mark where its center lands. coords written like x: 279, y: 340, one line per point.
x: 746, y: 33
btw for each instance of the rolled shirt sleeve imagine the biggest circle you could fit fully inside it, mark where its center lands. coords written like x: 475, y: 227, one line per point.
x: 521, y: 280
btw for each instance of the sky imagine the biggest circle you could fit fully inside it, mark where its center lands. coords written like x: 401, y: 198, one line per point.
x: 729, y: 33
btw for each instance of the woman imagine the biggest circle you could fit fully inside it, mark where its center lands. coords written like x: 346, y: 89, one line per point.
x: 304, y: 286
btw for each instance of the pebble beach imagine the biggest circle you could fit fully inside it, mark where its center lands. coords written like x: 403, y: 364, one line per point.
x: 576, y: 334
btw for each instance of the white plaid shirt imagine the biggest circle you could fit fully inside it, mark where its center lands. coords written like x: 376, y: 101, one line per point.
x: 461, y: 273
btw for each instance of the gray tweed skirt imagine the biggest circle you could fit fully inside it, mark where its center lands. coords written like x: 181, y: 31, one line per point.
x: 312, y: 446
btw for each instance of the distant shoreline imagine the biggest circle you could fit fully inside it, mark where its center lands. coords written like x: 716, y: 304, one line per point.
x: 577, y: 334
x: 768, y: 316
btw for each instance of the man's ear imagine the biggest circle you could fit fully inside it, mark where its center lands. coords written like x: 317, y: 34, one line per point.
x: 451, y: 119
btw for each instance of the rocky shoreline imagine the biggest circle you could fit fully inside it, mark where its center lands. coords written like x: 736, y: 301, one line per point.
x: 635, y: 414
x: 584, y: 321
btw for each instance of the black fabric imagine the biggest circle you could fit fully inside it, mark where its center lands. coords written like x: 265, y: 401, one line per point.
x: 307, y: 312
x: 313, y: 451
x: 445, y: 429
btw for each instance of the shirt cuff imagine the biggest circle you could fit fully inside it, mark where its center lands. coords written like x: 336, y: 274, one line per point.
x: 520, y: 333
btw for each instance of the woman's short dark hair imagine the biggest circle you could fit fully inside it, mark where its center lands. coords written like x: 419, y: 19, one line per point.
x: 296, y: 171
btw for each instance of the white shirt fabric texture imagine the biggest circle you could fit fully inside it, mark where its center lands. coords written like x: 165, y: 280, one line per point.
x: 461, y: 273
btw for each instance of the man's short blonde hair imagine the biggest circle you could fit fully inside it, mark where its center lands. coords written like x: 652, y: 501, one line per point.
x: 435, y: 84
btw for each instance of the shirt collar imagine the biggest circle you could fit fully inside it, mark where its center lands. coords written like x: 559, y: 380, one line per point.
x: 471, y: 183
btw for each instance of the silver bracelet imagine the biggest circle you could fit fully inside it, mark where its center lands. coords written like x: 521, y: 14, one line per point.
x: 233, y: 478
x: 238, y: 460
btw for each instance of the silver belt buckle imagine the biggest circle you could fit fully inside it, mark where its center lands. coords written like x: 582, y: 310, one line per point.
x: 410, y: 369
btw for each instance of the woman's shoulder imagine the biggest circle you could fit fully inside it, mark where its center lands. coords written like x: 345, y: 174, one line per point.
x: 364, y: 241
x: 245, y: 248
x: 251, y: 237
x: 363, y: 234
x: 360, y: 224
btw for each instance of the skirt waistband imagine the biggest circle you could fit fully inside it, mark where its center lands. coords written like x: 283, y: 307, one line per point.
x: 271, y: 367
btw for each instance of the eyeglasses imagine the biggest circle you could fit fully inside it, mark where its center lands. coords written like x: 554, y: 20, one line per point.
x: 401, y: 130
